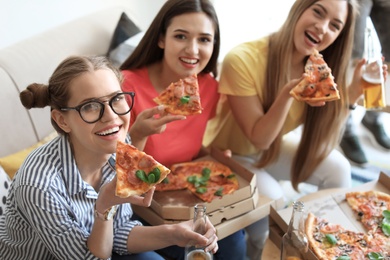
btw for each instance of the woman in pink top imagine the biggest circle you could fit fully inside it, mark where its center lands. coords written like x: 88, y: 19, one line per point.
x: 180, y: 140
x: 182, y: 40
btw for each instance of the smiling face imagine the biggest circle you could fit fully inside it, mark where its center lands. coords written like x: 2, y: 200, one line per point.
x: 188, y: 44
x: 99, y: 137
x: 320, y: 25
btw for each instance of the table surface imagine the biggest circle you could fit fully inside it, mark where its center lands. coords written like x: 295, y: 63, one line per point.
x: 270, y: 250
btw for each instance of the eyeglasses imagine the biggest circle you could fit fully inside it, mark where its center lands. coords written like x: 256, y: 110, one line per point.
x: 93, y: 110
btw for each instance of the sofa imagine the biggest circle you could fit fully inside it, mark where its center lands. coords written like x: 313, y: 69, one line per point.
x: 34, y: 60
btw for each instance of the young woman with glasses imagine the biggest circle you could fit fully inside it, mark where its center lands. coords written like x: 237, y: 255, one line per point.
x: 62, y: 203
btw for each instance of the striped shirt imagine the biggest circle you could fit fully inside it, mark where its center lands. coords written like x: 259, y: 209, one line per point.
x: 50, y: 209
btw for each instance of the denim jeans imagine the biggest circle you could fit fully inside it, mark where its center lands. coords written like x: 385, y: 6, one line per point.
x: 142, y: 256
x: 232, y: 247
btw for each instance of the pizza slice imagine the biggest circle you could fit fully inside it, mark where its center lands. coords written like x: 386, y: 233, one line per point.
x: 369, y: 207
x: 318, y: 84
x: 181, y: 97
x: 332, y: 241
x: 137, y: 172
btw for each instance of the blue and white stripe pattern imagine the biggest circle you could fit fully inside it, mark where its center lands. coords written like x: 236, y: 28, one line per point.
x: 49, y: 211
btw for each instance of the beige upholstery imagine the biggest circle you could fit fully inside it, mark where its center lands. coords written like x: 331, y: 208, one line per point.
x: 34, y: 60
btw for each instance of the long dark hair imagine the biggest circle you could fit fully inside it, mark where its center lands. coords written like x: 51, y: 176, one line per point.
x: 148, y: 52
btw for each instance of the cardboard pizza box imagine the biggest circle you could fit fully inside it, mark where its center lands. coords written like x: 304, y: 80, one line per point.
x: 179, y: 205
x: 216, y: 217
x: 226, y: 220
x: 329, y: 205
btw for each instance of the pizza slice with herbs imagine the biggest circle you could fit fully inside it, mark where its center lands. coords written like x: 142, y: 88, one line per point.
x: 181, y: 97
x: 137, y: 172
x: 318, y: 84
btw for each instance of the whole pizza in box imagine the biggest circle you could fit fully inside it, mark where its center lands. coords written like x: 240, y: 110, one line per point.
x: 333, y: 241
x: 206, y: 179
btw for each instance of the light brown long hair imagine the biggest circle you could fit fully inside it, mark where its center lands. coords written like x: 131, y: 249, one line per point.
x: 322, y: 125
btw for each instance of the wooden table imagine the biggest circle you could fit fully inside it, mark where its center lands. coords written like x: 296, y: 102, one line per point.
x: 270, y: 250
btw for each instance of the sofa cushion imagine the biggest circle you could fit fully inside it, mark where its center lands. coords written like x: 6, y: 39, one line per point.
x: 11, y: 163
x: 120, y: 53
x: 125, y: 30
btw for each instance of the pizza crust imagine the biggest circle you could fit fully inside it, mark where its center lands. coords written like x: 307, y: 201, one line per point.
x: 310, y: 225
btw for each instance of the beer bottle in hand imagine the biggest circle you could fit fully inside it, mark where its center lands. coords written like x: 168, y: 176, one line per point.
x: 294, y: 241
x: 372, y: 77
x: 192, y: 251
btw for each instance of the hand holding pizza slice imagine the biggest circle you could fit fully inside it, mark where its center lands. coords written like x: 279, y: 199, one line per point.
x: 137, y: 172
x: 318, y: 83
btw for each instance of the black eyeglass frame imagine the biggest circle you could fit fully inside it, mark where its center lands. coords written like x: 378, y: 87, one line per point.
x: 103, y: 106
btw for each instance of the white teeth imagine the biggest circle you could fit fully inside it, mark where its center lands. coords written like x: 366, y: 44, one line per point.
x: 191, y: 61
x: 313, y: 37
x: 109, y: 131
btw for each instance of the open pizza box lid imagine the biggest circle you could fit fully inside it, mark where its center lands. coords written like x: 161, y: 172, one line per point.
x: 332, y: 207
x: 179, y: 205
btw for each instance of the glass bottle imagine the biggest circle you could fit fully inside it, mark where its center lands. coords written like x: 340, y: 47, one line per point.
x: 193, y: 252
x: 294, y: 241
x: 372, y: 77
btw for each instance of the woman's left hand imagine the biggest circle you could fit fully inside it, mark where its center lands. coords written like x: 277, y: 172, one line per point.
x: 183, y: 234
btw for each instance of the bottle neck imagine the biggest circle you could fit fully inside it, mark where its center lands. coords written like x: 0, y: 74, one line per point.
x: 371, y: 51
x: 297, y: 217
x: 199, y: 224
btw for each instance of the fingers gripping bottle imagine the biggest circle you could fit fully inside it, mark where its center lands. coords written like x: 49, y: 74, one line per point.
x: 294, y: 241
x: 192, y: 251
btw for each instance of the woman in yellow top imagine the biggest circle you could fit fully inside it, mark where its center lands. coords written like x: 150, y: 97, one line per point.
x: 256, y: 111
